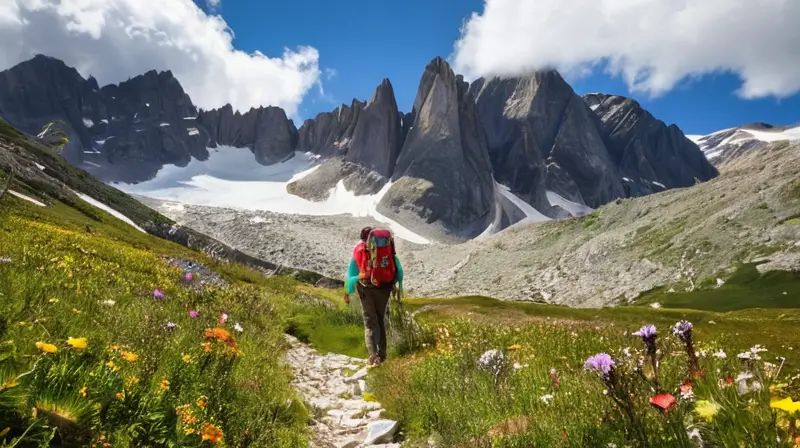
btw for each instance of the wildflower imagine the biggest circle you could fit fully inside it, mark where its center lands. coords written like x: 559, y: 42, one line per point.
x: 494, y: 362
x: 188, y: 276
x: 187, y: 358
x: 238, y: 328
x: 201, y: 402
x: 158, y: 294
x: 82, y: 392
x: 223, y: 318
x: 627, y: 352
x: 655, y: 305
x: 22, y: 323
x: 194, y: 313
x: 555, y: 377
x: 211, y: 433
x: 112, y: 366
x: 53, y: 300
x: 206, y: 347
x: 694, y: 436
x: 164, y: 385
x: 108, y: 302
x: 132, y: 380
x: 706, y: 409
x: 546, y: 399
x: 47, y: 348
x: 129, y: 356
x: 119, y: 396
x: 171, y: 325
x: 5, y: 260
x: 686, y: 390
x: 600, y: 363
x: 663, y: 401
x: 515, y: 347
x: 720, y: 354
x: 682, y: 329
x: 786, y: 405
x: 77, y: 343
x: 76, y: 311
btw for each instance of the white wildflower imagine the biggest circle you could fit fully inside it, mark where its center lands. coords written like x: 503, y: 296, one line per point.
x: 238, y: 327
x: 108, y: 302
x: 546, y: 399
x: 720, y: 354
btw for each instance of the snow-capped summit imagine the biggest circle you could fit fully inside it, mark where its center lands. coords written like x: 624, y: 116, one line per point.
x: 723, y: 146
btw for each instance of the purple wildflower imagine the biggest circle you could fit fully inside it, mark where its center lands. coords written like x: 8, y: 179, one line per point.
x: 171, y: 325
x: 194, y: 313
x: 683, y: 329
x: 223, y: 318
x: 188, y: 277
x: 600, y: 363
x: 646, y: 332
x: 158, y: 294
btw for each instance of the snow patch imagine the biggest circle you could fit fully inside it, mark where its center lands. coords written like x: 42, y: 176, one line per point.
x: 766, y: 136
x: 88, y: 122
x: 230, y: 178
x: 257, y: 220
x: 659, y: 184
x: 164, y: 124
x: 627, y: 180
x: 147, y: 104
x: 696, y: 138
x: 104, y: 121
x: 26, y: 198
x: 92, y: 164
x: 40, y: 166
x: 574, y: 208
x: 108, y: 209
x: 531, y: 214
x: 190, y: 118
x: 193, y: 131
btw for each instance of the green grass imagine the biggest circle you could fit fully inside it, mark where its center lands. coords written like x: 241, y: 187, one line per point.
x: 64, y: 281
x: 745, y: 289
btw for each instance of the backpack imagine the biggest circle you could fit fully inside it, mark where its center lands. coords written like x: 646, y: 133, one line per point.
x: 375, y: 258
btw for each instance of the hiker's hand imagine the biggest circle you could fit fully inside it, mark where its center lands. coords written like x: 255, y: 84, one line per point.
x: 347, y: 298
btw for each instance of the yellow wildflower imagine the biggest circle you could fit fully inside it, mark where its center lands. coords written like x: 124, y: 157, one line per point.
x: 22, y: 323
x: 787, y: 405
x: 515, y: 347
x: 82, y: 392
x: 211, y: 433
x: 206, y: 347
x: 114, y: 347
x: 77, y: 343
x: 47, y: 348
x: 119, y: 396
x: 129, y: 356
x: 201, y: 402
x: 706, y: 409
x: 132, y: 380
x: 53, y: 300
x: 164, y: 384
x: 76, y: 311
x: 112, y: 366
x: 187, y: 358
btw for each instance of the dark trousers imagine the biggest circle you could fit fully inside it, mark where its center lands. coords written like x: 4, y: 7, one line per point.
x: 374, y: 302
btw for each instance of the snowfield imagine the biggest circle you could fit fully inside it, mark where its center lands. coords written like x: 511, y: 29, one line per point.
x: 231, y: 178
x: 108, y: 209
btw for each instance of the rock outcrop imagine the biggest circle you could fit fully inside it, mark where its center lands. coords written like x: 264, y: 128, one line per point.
x: 330, y: 133
x: 442, y: 182
x: 266, y: 131
x: 650, y: 155
x: 542, y: 136
x: 377, y: 137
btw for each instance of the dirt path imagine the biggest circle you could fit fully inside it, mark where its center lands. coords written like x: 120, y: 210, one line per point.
x: 333, y: 386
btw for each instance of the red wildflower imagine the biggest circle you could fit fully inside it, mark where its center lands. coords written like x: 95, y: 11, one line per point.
x: 663, y: 401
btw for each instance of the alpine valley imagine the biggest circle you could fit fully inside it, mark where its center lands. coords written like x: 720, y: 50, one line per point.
x: 515, y: 188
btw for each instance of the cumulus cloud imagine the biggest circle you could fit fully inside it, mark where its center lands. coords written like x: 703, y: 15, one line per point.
x: 118, y: 39
x: 652, y: 44
x: 213, y: 4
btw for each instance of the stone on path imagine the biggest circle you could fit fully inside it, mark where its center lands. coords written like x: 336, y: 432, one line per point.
x: 343, y: 418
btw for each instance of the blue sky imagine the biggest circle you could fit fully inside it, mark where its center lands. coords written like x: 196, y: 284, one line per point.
x: 365, y: 41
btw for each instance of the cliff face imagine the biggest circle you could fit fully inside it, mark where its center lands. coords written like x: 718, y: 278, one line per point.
x: 443, y: 175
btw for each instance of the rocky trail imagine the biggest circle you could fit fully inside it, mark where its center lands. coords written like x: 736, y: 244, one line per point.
x: 335, y: 389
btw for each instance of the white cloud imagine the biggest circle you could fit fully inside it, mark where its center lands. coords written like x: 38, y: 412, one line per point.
x: 652, y: 44
x: 213, y: 4
x: 117, y: 39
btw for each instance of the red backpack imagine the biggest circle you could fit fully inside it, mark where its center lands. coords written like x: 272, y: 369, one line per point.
x: 375, y: 258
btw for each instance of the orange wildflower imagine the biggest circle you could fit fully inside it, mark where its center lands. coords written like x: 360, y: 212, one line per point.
x: 206, y: 347
x: 129, y: 356
x: 164, y: 384
x: 201, y: 402
x: 221, y: 335
x: 211, y: 433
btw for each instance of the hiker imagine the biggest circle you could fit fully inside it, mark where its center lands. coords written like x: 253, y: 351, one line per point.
x: 375, y: 272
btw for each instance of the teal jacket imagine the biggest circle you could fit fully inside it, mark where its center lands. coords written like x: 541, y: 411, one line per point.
x: 352, y: 275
